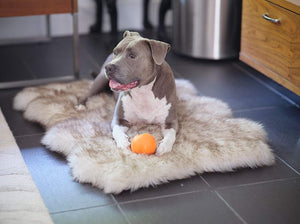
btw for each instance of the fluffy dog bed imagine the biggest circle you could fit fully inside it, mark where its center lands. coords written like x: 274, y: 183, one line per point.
x: 209, y: 139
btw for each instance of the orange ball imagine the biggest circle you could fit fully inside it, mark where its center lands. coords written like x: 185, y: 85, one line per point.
x: 144, y: 143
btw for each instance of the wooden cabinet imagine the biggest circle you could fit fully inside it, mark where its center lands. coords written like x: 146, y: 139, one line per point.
x: 270, y: 40
x: 36, y: 7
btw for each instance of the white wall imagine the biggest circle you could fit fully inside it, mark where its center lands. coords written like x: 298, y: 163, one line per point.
x: 129, y: 12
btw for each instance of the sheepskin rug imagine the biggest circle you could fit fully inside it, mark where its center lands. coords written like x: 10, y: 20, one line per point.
x: 208, y: 140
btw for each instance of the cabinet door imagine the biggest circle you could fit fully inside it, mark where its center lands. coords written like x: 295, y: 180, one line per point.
x: 272, y: 48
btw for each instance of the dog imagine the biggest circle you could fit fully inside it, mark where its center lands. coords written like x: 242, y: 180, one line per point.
x: 145, y: 86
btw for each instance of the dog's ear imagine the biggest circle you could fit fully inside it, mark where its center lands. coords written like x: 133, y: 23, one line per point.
x: 159, y: 50
x: 128, y: 33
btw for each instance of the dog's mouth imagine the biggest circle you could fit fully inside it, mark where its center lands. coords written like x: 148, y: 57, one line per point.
x: 114, y: 85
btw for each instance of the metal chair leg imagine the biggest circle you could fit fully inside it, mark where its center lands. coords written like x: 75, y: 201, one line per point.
x: 76, y: 46
x: 48, y: 27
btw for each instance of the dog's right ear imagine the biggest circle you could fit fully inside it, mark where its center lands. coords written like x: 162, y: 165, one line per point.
x: 128, y: 33
x: 159, y: 50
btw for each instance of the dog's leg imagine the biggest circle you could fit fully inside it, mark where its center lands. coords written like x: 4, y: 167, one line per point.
x: 169, y: 132
x: 119, y: 130
x: 99, y: 84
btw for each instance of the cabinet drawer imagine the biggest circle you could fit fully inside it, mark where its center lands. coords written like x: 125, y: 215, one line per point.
x: 274, y: 46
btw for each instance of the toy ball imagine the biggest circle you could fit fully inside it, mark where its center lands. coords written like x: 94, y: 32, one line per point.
x: 144, y: 143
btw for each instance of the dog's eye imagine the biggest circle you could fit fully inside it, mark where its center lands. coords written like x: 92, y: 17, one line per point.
x: 131, y: 55
x: 116, y: 52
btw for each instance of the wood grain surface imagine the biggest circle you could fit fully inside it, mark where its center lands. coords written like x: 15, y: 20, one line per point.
x: 288, y: 4
x: 36, y: 7
x: 276, y: 47
x: 20, y: 200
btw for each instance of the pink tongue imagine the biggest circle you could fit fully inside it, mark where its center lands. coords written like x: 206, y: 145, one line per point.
x: 114, y: 84
x: 118, y: 86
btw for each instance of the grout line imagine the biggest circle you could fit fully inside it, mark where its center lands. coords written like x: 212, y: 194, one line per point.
x: 205, y: 181
x: 231, y: 208
x: 163, y: 196
x: 255, y: 109
x: 266, y: 85
x: 257, y: 183
x: 120, y: 209
x: 20, y: 136
x: 288, y: 165
x: 29, y: 69
x: 90, y: 58
x: 78, y: 209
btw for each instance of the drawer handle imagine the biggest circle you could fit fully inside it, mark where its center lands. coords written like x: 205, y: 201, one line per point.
x: 266, y: 17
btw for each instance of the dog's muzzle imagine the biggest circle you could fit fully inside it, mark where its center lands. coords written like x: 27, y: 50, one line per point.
x: 115, y: 84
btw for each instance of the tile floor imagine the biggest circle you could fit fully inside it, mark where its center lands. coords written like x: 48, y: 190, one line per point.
x: 263, y: 195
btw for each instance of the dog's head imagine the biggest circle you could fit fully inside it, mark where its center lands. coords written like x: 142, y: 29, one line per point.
x: 134, y: 62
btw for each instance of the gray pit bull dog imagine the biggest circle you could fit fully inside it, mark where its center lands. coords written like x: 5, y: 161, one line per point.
x: 145, y: 85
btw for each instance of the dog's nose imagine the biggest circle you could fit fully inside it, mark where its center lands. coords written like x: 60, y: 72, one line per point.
x: 110, y: 69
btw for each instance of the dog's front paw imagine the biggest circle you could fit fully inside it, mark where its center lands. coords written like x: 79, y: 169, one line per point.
x: 167, y: 143
x: 163, y: 148
x: 120, y: 137
x: 123, y: 142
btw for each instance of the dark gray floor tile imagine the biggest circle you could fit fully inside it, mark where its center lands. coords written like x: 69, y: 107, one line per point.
x: 43, y: 60
x: 17, y: 124
x: 150, y: 34
x: 103, y: 215
x: 13, y: 70
x: 29, y: 141
x: 100, y: 45
x: 247, y: 176
x: 20, y: 50
x: 201, y: 207
x: 12, y: 67
x: 174, y: 187
x: 282, y: 126
x: 292, y: 159
x: 45, y: 67
x: 55, y: 58
x: 284, y: 92
x: 223, y: 80
x: 276, y: 202
x: 60, y: 192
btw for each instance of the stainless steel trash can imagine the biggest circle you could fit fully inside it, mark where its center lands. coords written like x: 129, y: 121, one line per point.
x: 208, y: 29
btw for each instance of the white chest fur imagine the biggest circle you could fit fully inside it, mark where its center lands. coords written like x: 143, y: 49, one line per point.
x: 142, y: 106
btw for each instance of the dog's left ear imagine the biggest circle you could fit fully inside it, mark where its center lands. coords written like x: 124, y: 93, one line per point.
x: 159, y: 50
x: 129, y: 33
